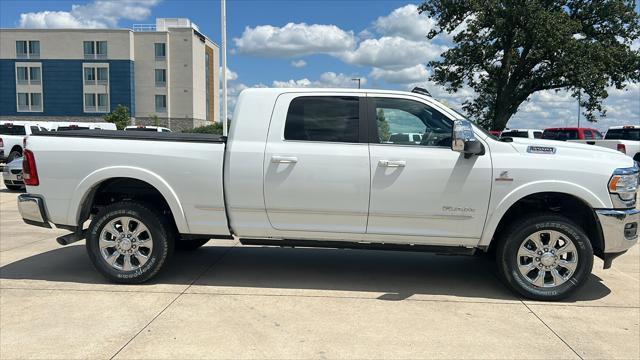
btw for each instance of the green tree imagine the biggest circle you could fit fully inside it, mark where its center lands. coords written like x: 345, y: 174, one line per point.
x: 383, y: 126
x: 507, y: 50
x: 215, y: 128
x: 119, y: 116
x: 155, y: 119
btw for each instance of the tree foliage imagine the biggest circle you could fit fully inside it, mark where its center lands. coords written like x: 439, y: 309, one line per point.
x: 508, y: 50
x: 215, y: 128
x: 383, y: 126
x: 119, y: 116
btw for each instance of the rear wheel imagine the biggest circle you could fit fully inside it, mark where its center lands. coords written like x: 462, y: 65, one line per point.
x: 547, y: 257
x: 190, y: 244
x: 128, y: 242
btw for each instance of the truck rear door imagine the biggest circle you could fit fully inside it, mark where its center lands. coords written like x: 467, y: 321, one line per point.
x: 316, y: 164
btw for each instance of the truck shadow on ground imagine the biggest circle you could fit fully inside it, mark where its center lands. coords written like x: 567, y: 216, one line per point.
x: 397, y: 275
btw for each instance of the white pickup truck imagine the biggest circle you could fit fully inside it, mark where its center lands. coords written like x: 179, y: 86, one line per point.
x: 316, y: 168
x: 625, y: 139
x: 12, y: 136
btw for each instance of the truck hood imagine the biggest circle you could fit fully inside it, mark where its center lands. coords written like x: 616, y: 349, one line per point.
x: 564, y: 148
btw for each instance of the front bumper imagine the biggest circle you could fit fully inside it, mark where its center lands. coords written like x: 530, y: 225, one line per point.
x: 32, y: 210
x: 620, y: 230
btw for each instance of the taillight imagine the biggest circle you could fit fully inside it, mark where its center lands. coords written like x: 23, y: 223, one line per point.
x: 622, y: 148
x: 29, y: 170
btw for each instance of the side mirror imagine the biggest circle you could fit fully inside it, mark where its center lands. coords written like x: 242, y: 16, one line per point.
x: 463, y: 140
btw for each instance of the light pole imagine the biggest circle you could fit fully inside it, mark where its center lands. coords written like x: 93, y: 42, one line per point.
x: 223, y: 22
x: 358, y: 80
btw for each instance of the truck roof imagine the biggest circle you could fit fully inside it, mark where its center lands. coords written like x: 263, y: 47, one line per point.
x: 625, y: 127
x: 569, y: 128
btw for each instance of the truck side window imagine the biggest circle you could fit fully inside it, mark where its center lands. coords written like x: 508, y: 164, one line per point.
x: 537, y: 134
x: 323, y: 118
x: 408, y: 122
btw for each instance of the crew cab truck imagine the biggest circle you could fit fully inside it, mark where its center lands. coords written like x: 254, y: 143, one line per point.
x: 317, y: 168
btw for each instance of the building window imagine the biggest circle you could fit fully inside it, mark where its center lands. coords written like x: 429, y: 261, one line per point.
x: 160, y: 49
x: 23, y: 102
x: 29, y: 102
x: 36, y: 102
x: 89, y: 75
x: 103, y: 102
x: 35, y: 75
x: 95, y: 49
x: 89, y: 102
x: 22, y: 75
x: 89, y: 49
x: 161, y: 103
x: 101, y: 47
x: 26, y: 49
x: 21, y: 49
x: 161, y: 77
x: 103, y: 75
x: 34, y: 48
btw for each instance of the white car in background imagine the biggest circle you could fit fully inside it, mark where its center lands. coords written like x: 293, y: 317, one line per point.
x: 522, y: 133
x: 147, y: 128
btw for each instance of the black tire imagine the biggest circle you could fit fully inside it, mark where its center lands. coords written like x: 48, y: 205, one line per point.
x: 190, y: 244
x: 162, y: 237
x: 507, y: 258
x: 13, y: 155
x: 14, y: 187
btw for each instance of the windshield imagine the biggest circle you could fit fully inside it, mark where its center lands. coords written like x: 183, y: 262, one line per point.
x: 12, y: 130
x: 623, y: 134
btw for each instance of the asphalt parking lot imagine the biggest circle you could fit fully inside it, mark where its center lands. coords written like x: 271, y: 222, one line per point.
x: 231, y: 301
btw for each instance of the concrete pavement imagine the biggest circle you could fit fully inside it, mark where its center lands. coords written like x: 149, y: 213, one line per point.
x: 231, y: 301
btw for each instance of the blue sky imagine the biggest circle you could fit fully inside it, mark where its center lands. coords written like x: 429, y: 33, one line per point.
x: 312, y: 43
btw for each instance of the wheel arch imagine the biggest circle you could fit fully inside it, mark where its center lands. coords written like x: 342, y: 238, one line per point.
x: 86, y: 191
x: 578, y: 200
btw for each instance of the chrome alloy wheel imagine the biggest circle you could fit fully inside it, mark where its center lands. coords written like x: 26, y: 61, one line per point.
x: 547, y: 258
x: 125, y: 243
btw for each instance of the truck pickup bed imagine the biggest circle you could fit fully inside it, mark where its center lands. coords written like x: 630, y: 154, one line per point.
x: 332, y: 168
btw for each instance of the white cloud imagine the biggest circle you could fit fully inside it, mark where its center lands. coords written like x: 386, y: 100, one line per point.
x: 326, y: 80
x: 231, y: 75
x: 293, y: 40
x: 392, y: 53
x: 97, y: 14
x: 298, y: 63
x: 405, y: 22
x: 408, y: 75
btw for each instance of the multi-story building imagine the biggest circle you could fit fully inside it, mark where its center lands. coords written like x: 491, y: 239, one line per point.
x: 166, y: 73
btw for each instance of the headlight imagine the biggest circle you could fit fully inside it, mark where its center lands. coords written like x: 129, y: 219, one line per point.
x: 623, y: 186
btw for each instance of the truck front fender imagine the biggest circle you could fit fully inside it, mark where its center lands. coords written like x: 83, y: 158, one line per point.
x: 93, y: 180
x: 500, y: 207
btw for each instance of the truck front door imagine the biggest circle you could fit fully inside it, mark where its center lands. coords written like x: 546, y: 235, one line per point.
x: 422, y: 189
x: 316, y: 165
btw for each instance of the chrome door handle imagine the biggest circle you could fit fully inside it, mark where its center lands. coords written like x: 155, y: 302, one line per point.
x: 284, y: 159
x: 392, y: 163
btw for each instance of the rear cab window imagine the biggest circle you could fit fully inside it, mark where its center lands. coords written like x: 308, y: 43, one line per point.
x: 623, y: 134
x: 561, y: 134
x: 514, y: 133
x: 323, y: 118
x: 10, y: 129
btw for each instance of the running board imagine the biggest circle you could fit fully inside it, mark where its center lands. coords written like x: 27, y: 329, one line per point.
x: 442, y: 250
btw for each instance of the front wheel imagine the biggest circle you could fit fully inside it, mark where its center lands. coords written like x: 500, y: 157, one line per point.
x: 128, y: 242
x: 547, y: 257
